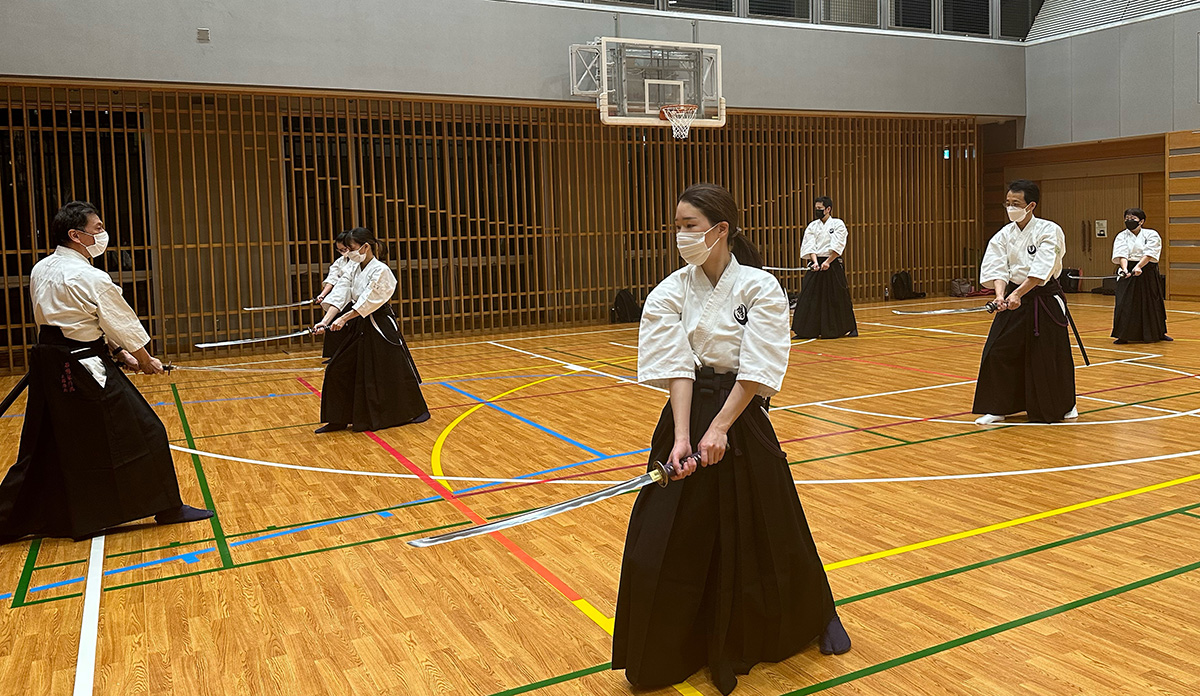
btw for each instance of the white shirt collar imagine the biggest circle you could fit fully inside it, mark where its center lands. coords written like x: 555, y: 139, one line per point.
x: 68, y: 252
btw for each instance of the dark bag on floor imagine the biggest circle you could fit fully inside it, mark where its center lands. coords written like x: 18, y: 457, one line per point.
x: 625, y: 309
x: 961, y: 287
x: 902, y: 287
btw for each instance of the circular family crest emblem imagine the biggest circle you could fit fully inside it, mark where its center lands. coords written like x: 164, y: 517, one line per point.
x: 741, y: 314
x: 1032, y: 250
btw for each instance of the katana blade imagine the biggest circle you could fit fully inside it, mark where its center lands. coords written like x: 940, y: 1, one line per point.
x: 1117, y: 276
x: 778, y: 268
x: 12, y: 395
x: 280, y: 306
x: 659, y: 473
x: 244, y: 341
x: 989, y: 308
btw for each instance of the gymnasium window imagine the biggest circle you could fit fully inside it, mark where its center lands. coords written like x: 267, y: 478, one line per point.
x: 702, y: 5
x: 1016, y: 17
x: 793, y: 9
x: 911, y: 14
x: 853, y: 12
x: 967, y: 17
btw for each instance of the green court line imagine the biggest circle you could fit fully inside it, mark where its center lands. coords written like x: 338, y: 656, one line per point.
x: 60, y: 565
x: 988, y: 632
x: 18, y: 598
x: 1017, y: 554
x: 912, y: 583
x: 1192, y: 515
x: 51, y: 599
x: 554, y: 680
x: 247, y: 432
x: 218, y: 533
x: 846, y: 425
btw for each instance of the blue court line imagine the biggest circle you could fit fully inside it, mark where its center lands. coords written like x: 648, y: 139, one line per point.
x: 193, y: 556
x: 523, y: 419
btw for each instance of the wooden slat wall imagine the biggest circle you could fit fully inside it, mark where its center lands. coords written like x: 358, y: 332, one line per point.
x: 495, y: 214
x: 1181, y: 244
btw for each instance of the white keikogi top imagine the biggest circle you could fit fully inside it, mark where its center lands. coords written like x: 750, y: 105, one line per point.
x: 741, y: 326
x: 337, y: 269
x: 367, y: 288
x: 1014, y: 254
x: 82, y: 300
x: 1132, y: 246
x: 822, y: 237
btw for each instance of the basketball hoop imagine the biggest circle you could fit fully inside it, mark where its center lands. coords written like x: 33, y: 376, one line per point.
x: 681, y: 117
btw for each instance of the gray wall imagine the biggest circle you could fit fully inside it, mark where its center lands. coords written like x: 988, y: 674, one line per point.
x: 1136, y: 79
x: 492, y: 48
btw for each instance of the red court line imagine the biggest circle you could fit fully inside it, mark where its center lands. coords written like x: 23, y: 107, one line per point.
x: 963, y: 413
x: 470, y: 514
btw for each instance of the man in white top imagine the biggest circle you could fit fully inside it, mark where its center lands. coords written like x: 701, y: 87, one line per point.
x: 93, y: 453
x: 824, y: 308
x: 1026, y: 363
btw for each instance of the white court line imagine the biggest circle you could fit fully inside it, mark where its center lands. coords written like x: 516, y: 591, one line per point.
x: 961, y: 333
x: 1121, y: 421
x: 85, y: 659
x: 812, y: 482
x: 997, y: 474
x: 523, y: 338
x: 382, y: 474
x: 872, y: 396
x: 579, y: 368
x: 1097, y: 306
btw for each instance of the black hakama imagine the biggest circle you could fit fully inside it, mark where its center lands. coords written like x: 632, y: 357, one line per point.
x: 372, y: 382
x: 1027, y: 364
x: 824, y: 308
x: 720, y: 569
x: 332, y: 340
x: 1139, y: 314
x: 90, y: 458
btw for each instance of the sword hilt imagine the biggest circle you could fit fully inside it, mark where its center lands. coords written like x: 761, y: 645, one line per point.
x: 661, y: 472
x: 992, y: 307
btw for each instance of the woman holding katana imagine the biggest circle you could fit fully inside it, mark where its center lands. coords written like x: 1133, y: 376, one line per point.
x: 824, y: 308
x: 340, y: 268
x: 1139, y: 314
x: 371, y: 381
x: 720, y: 568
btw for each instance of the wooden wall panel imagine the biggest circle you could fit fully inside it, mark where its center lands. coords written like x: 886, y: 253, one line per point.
x: 1182, y: 237
x: 494, y: 214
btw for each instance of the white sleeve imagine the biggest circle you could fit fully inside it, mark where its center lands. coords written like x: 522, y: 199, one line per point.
x: 664, y: 351
x: 118, y: 321
x: 1120, y: 248
x: 342, y: 293
x: 379, y: 291
x: 995, y: 261
x: 837, y: 238
x: 337, y: 269
x: 808, y: 242
x: 1153, y: 245
x: 1045, y: 238
x: 766, y: 340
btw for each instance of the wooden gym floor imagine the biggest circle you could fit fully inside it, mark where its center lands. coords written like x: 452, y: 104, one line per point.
x: 1007, y: 560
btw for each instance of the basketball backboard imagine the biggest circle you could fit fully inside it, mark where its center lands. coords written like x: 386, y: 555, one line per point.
x: 633, y: 79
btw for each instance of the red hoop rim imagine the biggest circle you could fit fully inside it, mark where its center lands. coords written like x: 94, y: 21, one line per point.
x: 662, y: 112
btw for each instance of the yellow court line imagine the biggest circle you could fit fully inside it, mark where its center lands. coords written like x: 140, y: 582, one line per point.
x: 1010, y: 523
x: 436, y: 456
x: 607, y: 624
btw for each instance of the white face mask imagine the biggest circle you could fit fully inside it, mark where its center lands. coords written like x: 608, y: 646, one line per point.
x: 1016, y: 214
x: 692, y: 247
x: 98, y: 245
x: 357, y: 255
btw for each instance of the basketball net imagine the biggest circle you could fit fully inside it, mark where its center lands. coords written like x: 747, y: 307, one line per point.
x: 681, y: 117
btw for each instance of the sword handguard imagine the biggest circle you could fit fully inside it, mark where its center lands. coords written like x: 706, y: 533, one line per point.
x: 991, y: 307
x: 661, y: 473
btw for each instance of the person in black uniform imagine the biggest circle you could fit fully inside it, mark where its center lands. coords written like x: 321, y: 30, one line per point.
x: 93, y: 454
